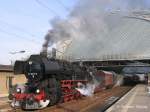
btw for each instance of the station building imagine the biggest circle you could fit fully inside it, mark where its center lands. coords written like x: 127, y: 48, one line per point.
x: 7, y: 77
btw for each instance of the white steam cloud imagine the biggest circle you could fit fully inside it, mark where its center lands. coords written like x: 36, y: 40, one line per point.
x: 96, y: 28
x: 89, y: 88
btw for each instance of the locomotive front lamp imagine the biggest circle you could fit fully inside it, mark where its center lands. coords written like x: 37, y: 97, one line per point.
x: 18, y: 90
x: 37, y: 91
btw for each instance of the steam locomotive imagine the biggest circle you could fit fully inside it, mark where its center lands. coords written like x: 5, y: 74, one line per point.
x: 50, y: 81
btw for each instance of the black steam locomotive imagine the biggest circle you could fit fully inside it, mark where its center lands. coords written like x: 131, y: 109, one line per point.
x: 49, y: 81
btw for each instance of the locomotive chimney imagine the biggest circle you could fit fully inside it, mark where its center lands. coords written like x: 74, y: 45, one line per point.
x: 53, y: 53
x: 44, y: 53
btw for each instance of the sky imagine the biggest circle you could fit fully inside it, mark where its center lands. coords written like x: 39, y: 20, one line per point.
x: 24, y: 23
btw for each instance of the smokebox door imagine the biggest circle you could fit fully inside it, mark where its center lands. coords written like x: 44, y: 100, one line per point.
x: 19, y: 67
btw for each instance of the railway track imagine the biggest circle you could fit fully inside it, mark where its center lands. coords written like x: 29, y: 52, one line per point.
x: 96, y: 103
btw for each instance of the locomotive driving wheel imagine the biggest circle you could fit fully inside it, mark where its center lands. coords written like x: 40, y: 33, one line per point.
x: 54, y: 91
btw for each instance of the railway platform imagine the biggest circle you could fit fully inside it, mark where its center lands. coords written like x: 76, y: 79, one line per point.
x: 136, y: 100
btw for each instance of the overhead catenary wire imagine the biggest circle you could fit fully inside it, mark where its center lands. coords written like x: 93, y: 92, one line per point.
x: 62, y: 4
x: 45, y: 6
x: 18, y: 28
x: 67, y: 9
x: 18, y: 36
x: 54, y: 12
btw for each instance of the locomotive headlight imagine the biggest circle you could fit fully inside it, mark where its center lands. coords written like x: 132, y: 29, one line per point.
x: 30, y: 62
x: 37, y: 91
x: 18, y: 90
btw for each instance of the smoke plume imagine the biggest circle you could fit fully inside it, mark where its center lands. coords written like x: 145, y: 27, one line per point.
x: 99, y: 27
x: 48, y: 40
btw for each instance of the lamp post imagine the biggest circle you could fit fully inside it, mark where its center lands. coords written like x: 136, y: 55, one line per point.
x: 9, y: 79
x: 16, y: 52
